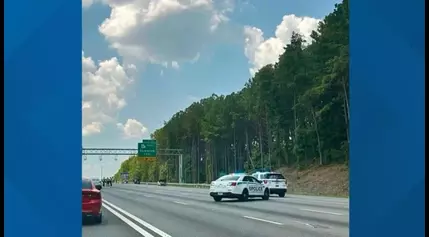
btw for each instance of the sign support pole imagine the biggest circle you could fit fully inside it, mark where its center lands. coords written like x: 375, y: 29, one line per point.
x: 180, y: 168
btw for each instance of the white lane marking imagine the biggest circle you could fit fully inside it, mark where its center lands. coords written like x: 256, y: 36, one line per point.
x: 149, y: 196
x: 324, y: 212
x: 178, y: 202
x: 128, y: 222
x: 267, y: 221
x: 140, y: 221
x: 303, y: 223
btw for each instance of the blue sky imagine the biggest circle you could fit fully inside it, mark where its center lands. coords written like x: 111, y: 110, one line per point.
x: 144, y: 60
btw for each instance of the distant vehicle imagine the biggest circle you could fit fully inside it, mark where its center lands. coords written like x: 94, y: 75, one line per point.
x: 136, y: 181
x: 162, y: 182
x: 91, y: 201
x: 240, y: 186
x: 275, y: 181
x: 97, y: 182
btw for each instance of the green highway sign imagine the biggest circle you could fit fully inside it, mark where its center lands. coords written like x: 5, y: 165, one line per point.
x: 147, y: 149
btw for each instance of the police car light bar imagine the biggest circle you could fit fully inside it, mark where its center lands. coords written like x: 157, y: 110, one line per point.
x: 237, y: 173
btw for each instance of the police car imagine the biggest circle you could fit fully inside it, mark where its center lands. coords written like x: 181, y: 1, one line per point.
x: 240, y: 186
x: 275, y: 181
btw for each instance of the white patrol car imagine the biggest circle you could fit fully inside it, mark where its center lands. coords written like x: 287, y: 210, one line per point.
x: 275, y: 181
x: 241, y: 186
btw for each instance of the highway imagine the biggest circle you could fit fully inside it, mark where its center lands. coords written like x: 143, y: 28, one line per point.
x: 146, y: 210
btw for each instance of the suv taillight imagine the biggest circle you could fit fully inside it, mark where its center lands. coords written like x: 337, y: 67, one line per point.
x: 265, y: 181
x: 233, y: 184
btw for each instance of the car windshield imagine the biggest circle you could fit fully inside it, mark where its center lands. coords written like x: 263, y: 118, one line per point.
x: 86, y: 184
x: 274, y: 176
x: 228, y: 178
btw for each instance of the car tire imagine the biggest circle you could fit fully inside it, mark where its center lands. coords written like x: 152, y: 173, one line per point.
x: 99, y: 219
x: 282, y: 194
x: 217, y: 199
x: 266, y: 194
x: 244, y: 196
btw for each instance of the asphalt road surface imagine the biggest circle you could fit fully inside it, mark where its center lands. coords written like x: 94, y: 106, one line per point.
x: 151, y: 211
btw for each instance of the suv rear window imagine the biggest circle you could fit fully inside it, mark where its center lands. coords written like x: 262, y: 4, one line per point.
x: 274, y: 176
x: 229, y: 178
x: 86, y: 184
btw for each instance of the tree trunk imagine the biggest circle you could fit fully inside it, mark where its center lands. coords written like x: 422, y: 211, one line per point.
x: 319, y: 146
x: 235, y: 151
x: 192, y: 158
x: 269, y: 137
x: 248, y: 146
x: 213, y: 159
x: 225, y: 158
x: 260, y: 145
x: 295, y: 127
x: 346, y: 98
x: 346, y: 109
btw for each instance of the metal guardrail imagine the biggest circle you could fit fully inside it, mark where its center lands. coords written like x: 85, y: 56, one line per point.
x: 180, y: 184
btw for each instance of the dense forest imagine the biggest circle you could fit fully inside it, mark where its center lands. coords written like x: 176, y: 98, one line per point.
x: 292, y: 113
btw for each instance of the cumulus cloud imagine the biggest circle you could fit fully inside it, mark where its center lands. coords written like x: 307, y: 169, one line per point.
x: 166, y: 32
x: 132, y: 129
x: 261, y: 51
x: 91, y: 128
x: 103, y: 87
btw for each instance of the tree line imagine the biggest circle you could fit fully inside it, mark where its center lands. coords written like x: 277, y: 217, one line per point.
x: 291, y: 113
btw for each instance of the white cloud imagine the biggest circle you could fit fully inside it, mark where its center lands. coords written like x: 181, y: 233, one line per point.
x: 261, y: 51
x: 132, y: 129
x: 163, y: 31
x: 91, y: 128
x: 103, y: 88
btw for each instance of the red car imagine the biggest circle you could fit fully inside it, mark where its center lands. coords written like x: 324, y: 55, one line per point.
x: 91, y: 201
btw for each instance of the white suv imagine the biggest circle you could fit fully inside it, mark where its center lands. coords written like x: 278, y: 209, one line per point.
x: 274, y: 180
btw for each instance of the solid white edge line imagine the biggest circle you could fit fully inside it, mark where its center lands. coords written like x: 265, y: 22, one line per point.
x: 140, y: 221
x: 323, y: 212
x: 128, y: 222
x: 267, y: 221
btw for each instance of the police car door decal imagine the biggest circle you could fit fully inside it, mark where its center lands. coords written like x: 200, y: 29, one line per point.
x: 254, y: 187
x: 260, y: 187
